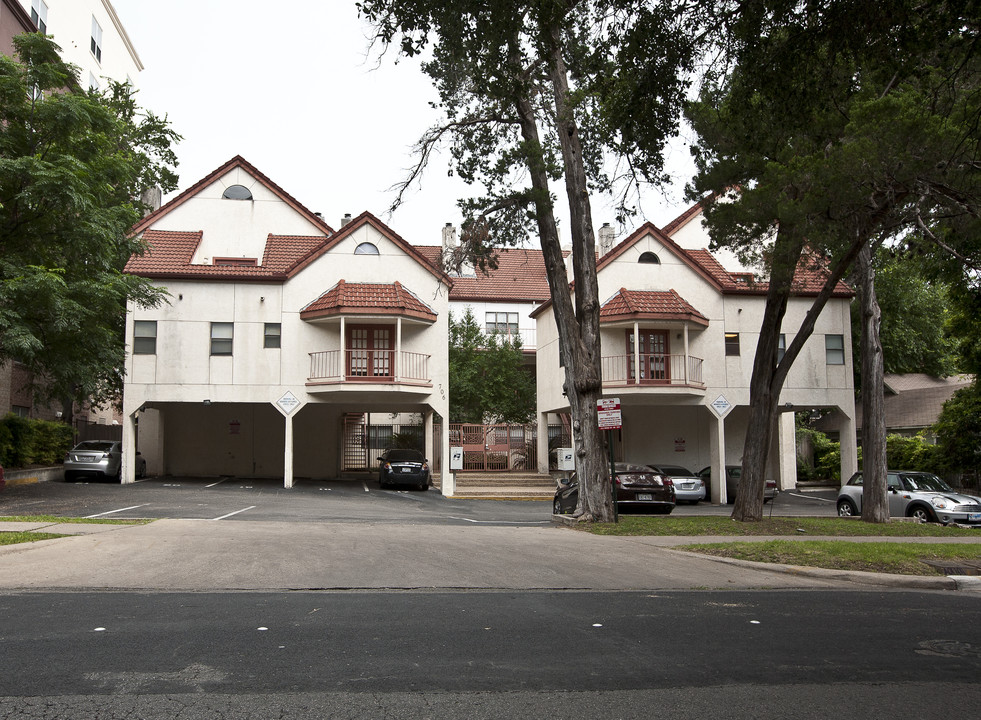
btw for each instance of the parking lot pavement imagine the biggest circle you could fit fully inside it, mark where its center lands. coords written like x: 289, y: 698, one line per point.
x: 243, y: 499
x: 233, y: 499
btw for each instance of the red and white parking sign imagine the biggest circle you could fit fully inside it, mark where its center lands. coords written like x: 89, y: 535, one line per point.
x: 608, y: 410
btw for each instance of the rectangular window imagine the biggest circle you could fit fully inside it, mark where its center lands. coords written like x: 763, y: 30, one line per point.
x: 235, y: 262
x: 505, y: 323
x: 20, y: 411
x: 145, y: 337
x: 781, y: 347
x: 834, y: 349
x: 93, y: 83
x: 732, y: 343
x: 39, y: 15
x: 96, y: 40
x: 221, y: 338
x: 272, y: 335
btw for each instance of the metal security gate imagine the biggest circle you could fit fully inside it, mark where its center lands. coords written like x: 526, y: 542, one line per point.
x: 496, y: 448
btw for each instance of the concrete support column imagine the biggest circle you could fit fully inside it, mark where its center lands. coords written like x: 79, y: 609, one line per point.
x: 542, y: 442
x: 786, y: 452
x: 398, y: 351
x: 427, y: 423
x: 447, y: 478
x: 849, y: 446
x: 127, y: 473
x: 637, y: 353
x: 717, y: 458
x: 288, y: 453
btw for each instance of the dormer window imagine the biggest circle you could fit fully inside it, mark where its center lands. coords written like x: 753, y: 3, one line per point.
x: 236, y: 262
x: 366, y: 248
x: 237, y: 192
x: 649, y: 257
x: 743, y: 278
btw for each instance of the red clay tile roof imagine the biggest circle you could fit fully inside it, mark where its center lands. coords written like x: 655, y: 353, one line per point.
x: 520, y: 276
x: 649, y: 304
x: 240, y: 162
x: 368, y: 299
x: 169, y: 254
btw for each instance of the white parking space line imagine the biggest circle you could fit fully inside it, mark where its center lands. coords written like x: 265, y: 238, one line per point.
x: 503, y: 522
x: 89, y: 517
x: 365, y: 486
x: 250, y: 507
x: 809, y: 497
x: 216, y: 483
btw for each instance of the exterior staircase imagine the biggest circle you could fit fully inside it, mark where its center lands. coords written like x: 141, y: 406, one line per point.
x: 503, y: 486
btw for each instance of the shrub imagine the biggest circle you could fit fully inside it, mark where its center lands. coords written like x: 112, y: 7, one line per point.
x: 25, y: 442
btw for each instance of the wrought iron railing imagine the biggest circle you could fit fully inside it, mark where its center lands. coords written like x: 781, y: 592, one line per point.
x: 653, y: 369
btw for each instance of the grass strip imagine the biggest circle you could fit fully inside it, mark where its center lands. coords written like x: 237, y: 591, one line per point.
x: 13, y: 538
x: 884, y: 557
x: 725, y: 526
x: 73, y: 521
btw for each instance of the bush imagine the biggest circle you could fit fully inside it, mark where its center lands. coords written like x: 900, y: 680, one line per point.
x: 912, y: 453
x: 26, y: 442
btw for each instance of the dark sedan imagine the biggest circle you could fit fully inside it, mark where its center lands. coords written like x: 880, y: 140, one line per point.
x: 639, y: 489
x: 733, y: 473
x: 404, y: 467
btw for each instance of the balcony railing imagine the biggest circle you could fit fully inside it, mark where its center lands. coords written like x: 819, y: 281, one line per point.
x: 654, y: 369
x: 527, y: 335
x: 376, y: 366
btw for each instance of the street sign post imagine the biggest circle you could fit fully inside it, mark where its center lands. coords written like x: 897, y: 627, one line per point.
x: 610, y: 419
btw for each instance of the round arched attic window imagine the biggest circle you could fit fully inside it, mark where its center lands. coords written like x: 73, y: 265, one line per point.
x: 649, y: 257
x: 366, y: 248
x: 237, y: 192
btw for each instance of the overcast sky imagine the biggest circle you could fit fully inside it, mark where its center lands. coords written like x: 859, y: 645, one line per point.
x: 292, y: 89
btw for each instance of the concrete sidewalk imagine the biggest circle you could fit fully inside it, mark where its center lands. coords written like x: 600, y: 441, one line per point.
x: 205, y: 555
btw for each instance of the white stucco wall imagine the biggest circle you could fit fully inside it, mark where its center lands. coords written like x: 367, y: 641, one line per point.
x: 70, y: 21
x: 240, y: 431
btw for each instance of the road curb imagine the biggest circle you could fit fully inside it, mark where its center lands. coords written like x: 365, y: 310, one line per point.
x: 908, y: 582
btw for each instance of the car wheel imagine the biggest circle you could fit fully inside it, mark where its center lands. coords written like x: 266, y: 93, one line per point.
x: 423, y: 486
x: 921, y: 513
x: 556, y: 507
x: 846, y: 508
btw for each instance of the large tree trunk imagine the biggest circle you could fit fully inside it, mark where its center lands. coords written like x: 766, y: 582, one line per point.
x: 768, y: 375
x: 578, y: 326
x: 875, y: 503
x: 765, y: 385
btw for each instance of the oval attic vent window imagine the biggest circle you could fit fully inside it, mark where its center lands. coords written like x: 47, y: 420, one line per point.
x: 649, y: 257
x: 365, y: 249
x: 237, y: 192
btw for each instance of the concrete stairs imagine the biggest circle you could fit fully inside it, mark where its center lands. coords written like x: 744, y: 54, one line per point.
x: 503, y: 486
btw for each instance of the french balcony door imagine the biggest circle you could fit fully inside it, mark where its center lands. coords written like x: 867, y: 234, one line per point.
x: 654, y: 360
x: 370, y: 351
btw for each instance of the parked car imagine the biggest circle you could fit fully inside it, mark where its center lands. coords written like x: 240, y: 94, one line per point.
x: 639, y: 489
x: 404, y: 467
x: 100, y: 458
x: 918, y: 495
x: 688, y: 487
x: 733, y: 473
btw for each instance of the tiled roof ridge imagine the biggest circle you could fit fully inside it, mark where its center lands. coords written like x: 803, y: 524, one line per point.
x: 683, y: 219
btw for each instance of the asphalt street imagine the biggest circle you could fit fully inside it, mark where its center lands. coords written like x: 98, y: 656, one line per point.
x: 246, y: 600
x: 790, y: 654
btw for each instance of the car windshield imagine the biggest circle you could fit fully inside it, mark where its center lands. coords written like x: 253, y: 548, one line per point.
x: 96, y: 445
x: 403, y: 456
x: 926, y: 482
x: 674, y: 470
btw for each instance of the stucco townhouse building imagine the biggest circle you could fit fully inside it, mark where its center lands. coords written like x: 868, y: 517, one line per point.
x: 278, y: 336
x: 679, y: 333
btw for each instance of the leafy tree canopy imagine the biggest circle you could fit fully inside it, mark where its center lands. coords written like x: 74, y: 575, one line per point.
x: 73, y: 166
x: 488, y: 382
x: 916, y: 318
